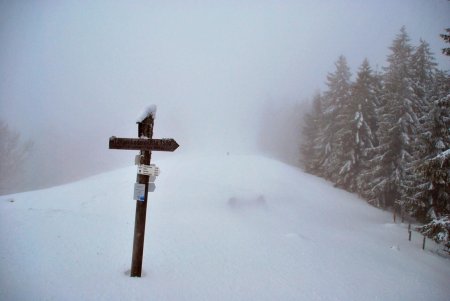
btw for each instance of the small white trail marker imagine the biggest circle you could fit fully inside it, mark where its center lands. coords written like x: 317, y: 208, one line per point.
x: 148, y: 170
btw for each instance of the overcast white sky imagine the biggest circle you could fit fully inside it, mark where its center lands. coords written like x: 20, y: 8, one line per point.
x: 73, y: 73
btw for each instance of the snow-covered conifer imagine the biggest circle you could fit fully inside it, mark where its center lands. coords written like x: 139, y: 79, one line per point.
x: 432, y: 196
x: 335, y: 99
x: 415, y: 185
x: 423, y: 67
x: 397, y: 120
x: 358, y: 131
x: 312, y: 151
x: 435, y: 198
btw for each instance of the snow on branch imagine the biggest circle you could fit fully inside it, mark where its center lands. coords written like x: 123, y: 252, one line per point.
x: 438, y: 230
x: 444, y: 155
x: 440, y: 159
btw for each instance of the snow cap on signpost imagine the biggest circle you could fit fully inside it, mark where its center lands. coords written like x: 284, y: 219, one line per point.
x: 150, y: 110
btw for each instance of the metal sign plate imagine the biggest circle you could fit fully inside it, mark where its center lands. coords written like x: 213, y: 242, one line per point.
x: 139, y: 192
x: 148, y: 170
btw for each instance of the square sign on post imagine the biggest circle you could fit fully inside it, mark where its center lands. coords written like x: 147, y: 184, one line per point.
x: 145, y: 144
x: 139, y: 192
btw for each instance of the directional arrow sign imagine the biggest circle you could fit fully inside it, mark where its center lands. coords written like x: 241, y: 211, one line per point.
x: 168, y: 145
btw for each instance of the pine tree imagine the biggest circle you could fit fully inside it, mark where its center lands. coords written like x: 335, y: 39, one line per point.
x: 415, y: 184
x: 432, y: 198
x: 397, y: 121
x: 13, y: 153
x: 423, y: 67
x: 335, y: 98
x: 357, y: 125
x: 359, y: 129
x: 436, y: 169
x: 312, y: 153
x: 366, y: 91
x: 368, y: 176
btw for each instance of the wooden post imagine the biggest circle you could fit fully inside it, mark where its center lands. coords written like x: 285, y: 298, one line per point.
x: 145, y: 128
x: 409, y: 231
x: 394, y: 214
x: 423, y: 244
x: 145, y: 144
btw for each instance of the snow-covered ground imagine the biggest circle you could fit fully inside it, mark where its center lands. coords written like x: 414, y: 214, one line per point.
x: 235, y: 227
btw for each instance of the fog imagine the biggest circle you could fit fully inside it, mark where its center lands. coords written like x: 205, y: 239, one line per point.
x: 74, y: 73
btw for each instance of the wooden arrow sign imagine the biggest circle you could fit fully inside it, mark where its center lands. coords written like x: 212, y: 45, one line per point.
x: 167, y: 145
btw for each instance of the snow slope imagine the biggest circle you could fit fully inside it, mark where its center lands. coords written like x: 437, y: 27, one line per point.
x: 218, y: 228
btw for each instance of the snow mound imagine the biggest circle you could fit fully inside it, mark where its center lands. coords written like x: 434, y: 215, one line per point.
x: 247, y: 201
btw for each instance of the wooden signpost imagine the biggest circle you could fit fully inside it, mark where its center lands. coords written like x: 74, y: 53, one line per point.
x: 145, y: 144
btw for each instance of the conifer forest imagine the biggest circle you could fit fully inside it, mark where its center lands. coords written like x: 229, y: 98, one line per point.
x: 385, y: 134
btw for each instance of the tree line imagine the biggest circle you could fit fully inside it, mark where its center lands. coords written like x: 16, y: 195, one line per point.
x: 386, y: 135
x: 13, y: 153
